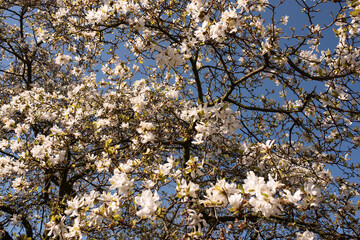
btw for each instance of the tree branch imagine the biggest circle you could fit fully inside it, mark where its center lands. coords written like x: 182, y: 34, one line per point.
x: 317, y: 78
x: 23, y: 220
x: 225, y: 97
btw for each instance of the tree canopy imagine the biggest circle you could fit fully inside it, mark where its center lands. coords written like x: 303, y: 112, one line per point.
x: 179, y: 119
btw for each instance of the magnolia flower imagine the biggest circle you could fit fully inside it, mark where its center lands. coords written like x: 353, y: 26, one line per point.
x: 56, y: 230
x: 267, y: 207
x: 242, y: 3
x: 284, y: 19
x: 311, y: 189
x: 293, y: 198
x: 121, y: 182
x: 273, y: 185
x: 9, y: 124
x: 19, y: 184
x: 21, y: 128
x: 147, y: 137
x: 220, y: 193
x: 172, y: 93
x: 196, y: 219
x: 307, y: 235
x: 62, y: 59
x: 74, y: 206
x: 267, y: 146
x: 313, y: 193
x: 186, y: 190
x: 149, y: 184
x: 127, y: 167
x: 264, y: 200
x: 138, y: 102
x: 253, y: 184
x: 75, y: 230
x: 165, y: 169
x: 149, y: 203
x: 169, y: 57
x: 235, y: 200
x: 194, y: 9
x: 217, y: 31
x: 200, y: 33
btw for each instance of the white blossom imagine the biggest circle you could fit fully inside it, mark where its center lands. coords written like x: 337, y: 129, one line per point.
x: 121, y: 182
x: 307, y: 235
x: 186, y: 190
x: 149, y: 203
x: 62, y: 59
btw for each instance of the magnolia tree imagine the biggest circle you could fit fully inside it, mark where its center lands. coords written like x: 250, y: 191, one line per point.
x: 208, y: 119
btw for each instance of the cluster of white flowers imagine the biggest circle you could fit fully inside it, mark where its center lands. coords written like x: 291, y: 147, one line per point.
x: 121, y: 182
x: 186, y: 190
x: 195, y: 8
x: 149, y: 203
x: 213, y: 120
x: 221, y: 193
x: 11, y: 167
x: 263, y: 200
x: 146, y: 131
x: 165, y: 169
x: 62, y: 59
x: 197, y: 222
x: 169, y: 57
x: 139, y: 102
